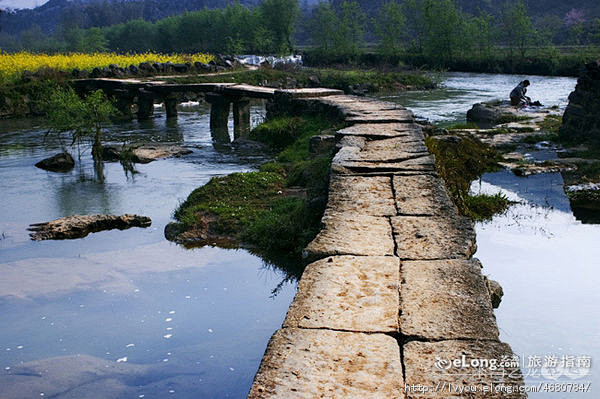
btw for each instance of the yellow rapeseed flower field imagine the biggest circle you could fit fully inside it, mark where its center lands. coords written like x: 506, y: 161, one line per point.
x: 12, y: 65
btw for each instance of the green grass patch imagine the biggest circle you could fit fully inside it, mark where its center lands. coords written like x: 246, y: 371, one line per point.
x: 463, y: 126
x: 483, y: 207
x: 551, y: 123
x: 254, y: 208
x: 586, y: 172
x: 460, y: 160
x: 509, y: 118
x: 534, y: 139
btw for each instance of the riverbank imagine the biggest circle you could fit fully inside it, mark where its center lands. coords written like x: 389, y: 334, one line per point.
x: 538, y: 61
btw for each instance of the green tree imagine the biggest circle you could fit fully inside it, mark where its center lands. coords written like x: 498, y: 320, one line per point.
x: 479, y: 34
x: 350, y: 34
x: 389, y: 27
x: 323, y: 26
x: 279, y: 17
x: 516, y: 27
x: 415, y: 25
x: 93, y: 41
x: 444, y: 29
x: 83, y: 118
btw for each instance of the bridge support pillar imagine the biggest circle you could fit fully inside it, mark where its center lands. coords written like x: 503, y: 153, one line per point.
x: 145, y: 105
x: 124, y: 103
x: 171, y: 106
x: 241, y: 117
x: 219, y: 115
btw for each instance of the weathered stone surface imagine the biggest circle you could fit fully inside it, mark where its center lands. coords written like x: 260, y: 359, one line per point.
x: 392, y: 116
x: 78, y: 226
x: 445, y: 299
x: 394, y: 149
x: 362, y: 195
x: 407, y: 131
x: 350, y: 233
x: 301, y: 363
x: 422, y: 195
x: 420, y: 359
x: 350, y: 293
x: 62, y: 162
x: 433, y: 237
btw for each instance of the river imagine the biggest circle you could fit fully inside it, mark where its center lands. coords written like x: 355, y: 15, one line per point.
x: 544, y: 258
x: 180, y: 323
x: 128, y: 314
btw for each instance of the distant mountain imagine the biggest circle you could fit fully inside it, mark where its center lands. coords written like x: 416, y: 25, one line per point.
x: 21, y: 4
x: 87, y: 13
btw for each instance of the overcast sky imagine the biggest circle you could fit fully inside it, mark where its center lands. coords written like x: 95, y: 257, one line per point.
x: 21, y: 3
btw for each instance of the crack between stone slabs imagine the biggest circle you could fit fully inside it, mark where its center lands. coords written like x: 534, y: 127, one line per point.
x: 394, y: 235
x: 416, y: 155
x: 393, y: 334
x: 349, y: 254
x: 388, y: 173
x: 415, y: 338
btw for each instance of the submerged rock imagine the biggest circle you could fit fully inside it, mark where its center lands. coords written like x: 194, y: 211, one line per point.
x: 144, y: 153
x: 62, y: 162
x: 78, y: 226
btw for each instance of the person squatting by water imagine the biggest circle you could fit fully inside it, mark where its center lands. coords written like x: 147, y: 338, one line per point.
x: 518, y: 97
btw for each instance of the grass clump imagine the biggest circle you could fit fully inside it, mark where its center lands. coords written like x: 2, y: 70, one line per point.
x: 275, y: 210
x: 586, y: 172
x: 460, y: 160
x: 551, y: 124
x: 483, y: 207
x: 508, y: 118
x: 463, y: 126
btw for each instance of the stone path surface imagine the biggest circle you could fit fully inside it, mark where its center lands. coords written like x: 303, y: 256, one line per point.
x: 392, y: 296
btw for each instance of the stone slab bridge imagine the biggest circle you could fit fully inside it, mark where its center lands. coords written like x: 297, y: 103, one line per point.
x: 138, y: 95
x: 392, y: 304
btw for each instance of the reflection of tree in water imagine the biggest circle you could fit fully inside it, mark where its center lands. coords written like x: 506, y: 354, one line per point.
x: 87, y: 193
x: 291, y: 267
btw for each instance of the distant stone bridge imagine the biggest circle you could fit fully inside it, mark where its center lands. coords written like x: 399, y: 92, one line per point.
x: 133, y: 94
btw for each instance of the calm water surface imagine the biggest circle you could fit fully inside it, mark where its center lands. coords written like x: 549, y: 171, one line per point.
x: 126, y: 313
x: 546, y: 260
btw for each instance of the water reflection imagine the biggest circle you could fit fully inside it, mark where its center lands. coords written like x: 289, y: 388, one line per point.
x: 88, y: 317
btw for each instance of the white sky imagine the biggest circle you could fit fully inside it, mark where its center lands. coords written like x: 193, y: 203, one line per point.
x: 21, y: 3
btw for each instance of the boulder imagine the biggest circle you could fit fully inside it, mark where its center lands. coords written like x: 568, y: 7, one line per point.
x: 78, y: 226
x: 62, y: 162
x: 483, y: 113
x: 581, y: 120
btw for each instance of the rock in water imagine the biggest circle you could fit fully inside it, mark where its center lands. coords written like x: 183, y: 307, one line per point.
x: 62, y: 162
x: 581, y: 121
x: 78, y: 226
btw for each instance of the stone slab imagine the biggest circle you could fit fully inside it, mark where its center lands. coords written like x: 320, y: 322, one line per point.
x: 364, y: 195
x: 424, y: 163
x: 446, y: 299
x: 350, y: 233
x: 390, y: 150
x: 310, y: 92
x: 302, y: 363
x: 420, y: 359
x: 392, y: 116
x: 422, y: 195
x: 348, y: 293
x: 433, y: 237
x: 406, y: 131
